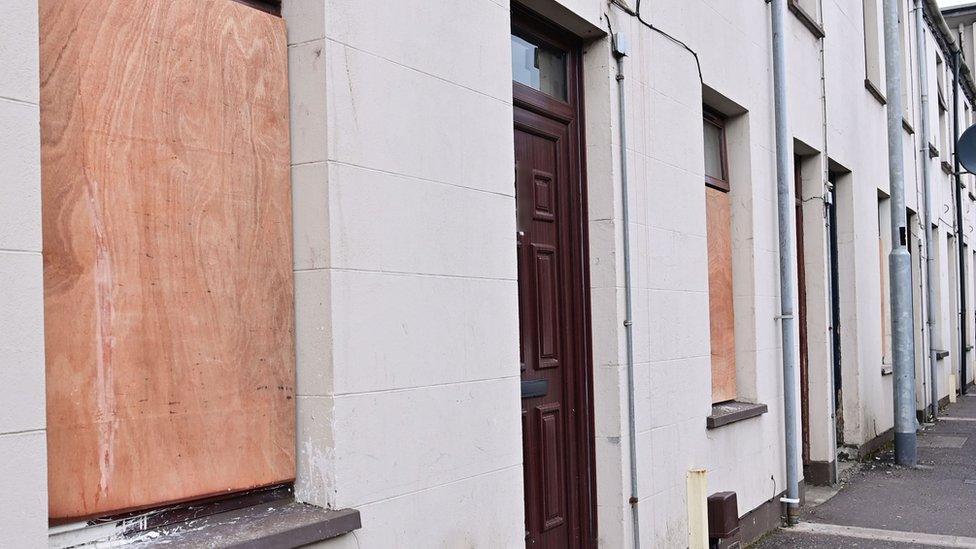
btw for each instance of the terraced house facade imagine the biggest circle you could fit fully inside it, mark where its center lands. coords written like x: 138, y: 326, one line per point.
x: 482, y: 273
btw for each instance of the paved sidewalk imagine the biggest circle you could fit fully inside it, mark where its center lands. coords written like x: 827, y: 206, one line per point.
x: 885, y: 506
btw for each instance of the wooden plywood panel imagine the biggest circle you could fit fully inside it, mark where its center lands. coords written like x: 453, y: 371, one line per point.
x: 167, y: 252
x: 718, y: 215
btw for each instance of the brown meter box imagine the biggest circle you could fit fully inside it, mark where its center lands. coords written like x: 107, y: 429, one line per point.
x: 723, y: 515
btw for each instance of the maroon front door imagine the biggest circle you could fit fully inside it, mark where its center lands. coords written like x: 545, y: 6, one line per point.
x: 556, y: 416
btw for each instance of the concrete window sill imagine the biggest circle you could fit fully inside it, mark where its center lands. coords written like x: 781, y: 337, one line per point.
x: 277, y: 524
x: 808, y: 20
x: 907, y: 126
x: 726, y: 413
x: 875, y: 91
x: 267, y: 517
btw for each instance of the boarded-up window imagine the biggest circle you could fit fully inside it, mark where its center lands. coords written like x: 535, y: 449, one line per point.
x: 906, y: 59
x: 884, y: 247
x: 167, y: 252
x: 873, y: 56
x: 943, y: 138
x: 718, y: 217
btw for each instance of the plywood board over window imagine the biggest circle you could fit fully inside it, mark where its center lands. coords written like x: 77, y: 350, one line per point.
x: 718, y: 220
x: 720, y: 304
x: 167, y: 252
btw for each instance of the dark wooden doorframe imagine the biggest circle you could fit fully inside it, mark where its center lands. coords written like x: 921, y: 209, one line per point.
x: 835, y: 322
x: 801, y: 285
x: 538, y: 115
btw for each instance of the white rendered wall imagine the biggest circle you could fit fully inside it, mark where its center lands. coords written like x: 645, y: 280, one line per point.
x: 670, y: 260
x: 406, y: 291
x: 23, y: 454
x: 409, y: 291
x: 386, y: 280
x: 404, y: 222
x: 670, y: 269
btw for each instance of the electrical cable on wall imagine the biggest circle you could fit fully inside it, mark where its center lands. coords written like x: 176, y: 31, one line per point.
x: 637, y: 13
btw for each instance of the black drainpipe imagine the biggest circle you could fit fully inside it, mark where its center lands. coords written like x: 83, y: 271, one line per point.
x: 963, y: 317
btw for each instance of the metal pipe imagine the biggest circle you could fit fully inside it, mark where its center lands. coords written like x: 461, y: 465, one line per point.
x: 956, y: 62
x: 899, y: 260
x: 923, y: 151
x: 787, y: 260
x: 619, y: 52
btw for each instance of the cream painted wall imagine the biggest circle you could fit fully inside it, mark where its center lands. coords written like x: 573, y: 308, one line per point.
x: 23, y: 449
x: 406, y: 291
x: 671, y: 309
x: 671, y: 319
x: 405, y: 268
x: 947, y: 260
x: 671, y: 315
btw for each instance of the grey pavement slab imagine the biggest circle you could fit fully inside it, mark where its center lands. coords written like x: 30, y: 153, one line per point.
x: 939, y: 497
x: 784, y: 539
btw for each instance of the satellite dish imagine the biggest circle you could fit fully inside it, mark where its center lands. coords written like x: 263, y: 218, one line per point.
x: 966, y: 149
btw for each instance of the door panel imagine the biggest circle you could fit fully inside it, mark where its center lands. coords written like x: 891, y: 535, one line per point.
x: 540, y: 149
x: 551, y: 427
x: 167, y: 252
x: 547, y: 284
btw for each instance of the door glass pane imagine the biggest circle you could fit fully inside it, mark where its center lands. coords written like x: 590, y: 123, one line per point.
x: 713, y: 152
x: 540, y: 67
